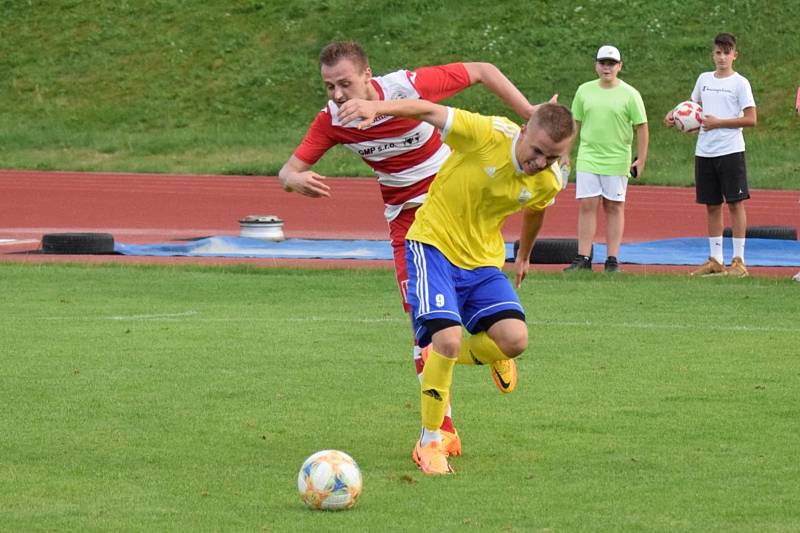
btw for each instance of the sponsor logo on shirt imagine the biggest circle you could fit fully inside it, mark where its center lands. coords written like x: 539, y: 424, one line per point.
x: 524, y: 196
x: 706, y: 88
x: 411, y: 140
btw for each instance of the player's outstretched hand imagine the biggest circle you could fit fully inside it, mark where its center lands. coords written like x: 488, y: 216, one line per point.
x: 307, y: 183
x: 553, y: 100
x: 360, y: 110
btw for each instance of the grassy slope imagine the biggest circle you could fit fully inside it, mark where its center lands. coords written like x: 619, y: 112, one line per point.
x: 205, y: 86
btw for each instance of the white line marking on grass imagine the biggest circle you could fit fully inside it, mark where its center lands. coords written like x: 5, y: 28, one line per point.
x: 165, y: 316
x: 153, y: 317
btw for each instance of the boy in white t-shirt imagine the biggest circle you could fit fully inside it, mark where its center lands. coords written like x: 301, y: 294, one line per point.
x: 720, y: 170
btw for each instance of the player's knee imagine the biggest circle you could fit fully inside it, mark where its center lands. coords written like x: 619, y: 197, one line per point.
x: 613, y: 207
x: 447, y: 341
x: 588, y: 206
x: 514, y: 342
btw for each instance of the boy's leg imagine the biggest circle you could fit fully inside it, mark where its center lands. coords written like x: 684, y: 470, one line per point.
x: 715, y: 264
x: 615, y: 225
x: 708, y: 191
x: 615, y: 189
x: 733, y: 169
x: 738, y: 219
x: 587, y: 191
x: 715, y: 220
x: 738, y: 229
x: 587, y: 224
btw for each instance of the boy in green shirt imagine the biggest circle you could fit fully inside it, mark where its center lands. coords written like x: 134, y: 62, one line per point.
x: 607, y: 111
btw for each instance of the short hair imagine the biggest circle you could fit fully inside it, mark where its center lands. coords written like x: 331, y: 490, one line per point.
x: 555, y: 119
x: 726, y: 41
x: 338, y: 50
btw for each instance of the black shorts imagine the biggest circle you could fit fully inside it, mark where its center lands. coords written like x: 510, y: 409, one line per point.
x: 718, y: 178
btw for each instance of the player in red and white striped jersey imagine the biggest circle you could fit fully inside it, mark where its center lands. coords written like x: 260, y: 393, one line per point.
x: 404, y: 153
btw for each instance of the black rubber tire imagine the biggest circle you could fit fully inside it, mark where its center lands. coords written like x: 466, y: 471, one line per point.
x: 78, y: 243
x: 786, y: 233
x: 552, y: 251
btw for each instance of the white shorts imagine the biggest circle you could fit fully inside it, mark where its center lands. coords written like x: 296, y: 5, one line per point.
x: 588, y: 185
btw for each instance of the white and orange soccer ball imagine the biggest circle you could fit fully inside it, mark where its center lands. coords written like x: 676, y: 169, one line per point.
x: 688, y: 116
x: 329, y: 480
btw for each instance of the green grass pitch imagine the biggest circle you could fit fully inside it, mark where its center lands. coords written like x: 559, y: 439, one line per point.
x: 186, y: 399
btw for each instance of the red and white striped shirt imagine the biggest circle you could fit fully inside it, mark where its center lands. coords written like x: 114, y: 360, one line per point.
x: 404, y: 153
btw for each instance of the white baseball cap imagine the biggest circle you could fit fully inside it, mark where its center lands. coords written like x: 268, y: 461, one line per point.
x: 608, y: 52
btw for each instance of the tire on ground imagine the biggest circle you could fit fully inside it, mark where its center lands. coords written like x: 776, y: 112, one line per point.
x: 766, y: 232
x: 78, y: 243
x: 552, y: 251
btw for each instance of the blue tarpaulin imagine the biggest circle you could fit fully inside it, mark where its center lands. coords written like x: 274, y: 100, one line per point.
x: 687, y: 251
x: 694, y: 251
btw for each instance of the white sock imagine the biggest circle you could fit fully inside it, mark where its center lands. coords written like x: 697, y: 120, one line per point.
x: 715, y: 248
x: 427, y: 436
x: 738, y: 248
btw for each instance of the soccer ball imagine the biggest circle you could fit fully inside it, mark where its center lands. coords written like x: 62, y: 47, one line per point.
x: 329, y: 480
x: 688, y: 116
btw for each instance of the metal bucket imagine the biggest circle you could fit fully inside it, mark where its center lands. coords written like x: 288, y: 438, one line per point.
x: 266, y: 227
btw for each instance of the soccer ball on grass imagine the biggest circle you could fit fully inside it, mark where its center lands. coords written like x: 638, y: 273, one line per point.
x: 329, y: 480
x: 688, y: 116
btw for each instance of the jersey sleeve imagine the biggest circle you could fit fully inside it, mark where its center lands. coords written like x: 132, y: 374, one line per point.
x: 636, y: 109
x: 745, y: 95
x: 317, y: 141
x: 465, y: 131
x: 577, y: 105
x: 697, y: 95
x: 440, y: 82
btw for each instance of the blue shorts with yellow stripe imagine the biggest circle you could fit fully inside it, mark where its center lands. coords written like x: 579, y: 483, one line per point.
x: 438, y: 289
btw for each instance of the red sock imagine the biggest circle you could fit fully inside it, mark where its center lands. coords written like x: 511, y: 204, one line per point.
x: 447, y: 425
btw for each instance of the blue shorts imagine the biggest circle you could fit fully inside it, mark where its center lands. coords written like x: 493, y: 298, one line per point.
x: 439, y: 289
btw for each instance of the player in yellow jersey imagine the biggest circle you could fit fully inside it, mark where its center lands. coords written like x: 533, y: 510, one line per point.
x: 455, y: 248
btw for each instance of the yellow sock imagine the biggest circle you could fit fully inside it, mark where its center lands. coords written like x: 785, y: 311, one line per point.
x: 437, y: 376
x: 482, y: 348
x: 465, y: 355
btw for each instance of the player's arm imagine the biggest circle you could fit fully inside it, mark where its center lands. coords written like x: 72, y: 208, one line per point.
x: 642, y: 145
x: 296, y: 176
x: 747, y: 120
x: 497, y: 82
x: 365, y: 111
x: 532, y: 220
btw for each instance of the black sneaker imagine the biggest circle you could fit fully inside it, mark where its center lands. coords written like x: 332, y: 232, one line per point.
x: 612, y: 265
x: 581, y: 262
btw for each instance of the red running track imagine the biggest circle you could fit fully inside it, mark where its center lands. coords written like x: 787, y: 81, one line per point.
x: 152, y: 208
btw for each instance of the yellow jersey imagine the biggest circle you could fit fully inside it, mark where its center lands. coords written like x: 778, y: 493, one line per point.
x: 477, y: 188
